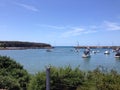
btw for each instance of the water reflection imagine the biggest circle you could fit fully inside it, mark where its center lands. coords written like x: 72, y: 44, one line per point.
x: 107, y: 55
x: 86, y: 59
x: 117, y: 59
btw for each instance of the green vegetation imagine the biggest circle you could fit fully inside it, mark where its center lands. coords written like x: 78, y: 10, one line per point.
x: 61, y: 79
x: 14, y: 77
x: 4, y: 44
x: 75, y: 79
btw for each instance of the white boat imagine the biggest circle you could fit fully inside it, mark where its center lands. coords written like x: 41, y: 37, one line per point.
x: 114, y: 50
x: 86, y: 56
x: 94, y: 51
x: 117, y: 55
x: 106, y: 52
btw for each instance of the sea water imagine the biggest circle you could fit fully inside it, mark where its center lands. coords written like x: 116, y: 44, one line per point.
x: 35, y: 60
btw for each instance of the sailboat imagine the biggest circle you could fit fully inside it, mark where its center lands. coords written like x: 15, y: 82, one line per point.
x: 86, y: 54
x: 117, y: 55
x: 77, y: 47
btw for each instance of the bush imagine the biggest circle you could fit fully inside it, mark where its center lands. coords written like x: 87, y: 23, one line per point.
x: 61, y: 78
x: 75, y: 79
x: 9, y: 83
x: 12, y: 75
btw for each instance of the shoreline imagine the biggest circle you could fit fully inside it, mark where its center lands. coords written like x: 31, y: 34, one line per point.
x: 20, y: 45
x: 23, y: 48
x: 76, y: 47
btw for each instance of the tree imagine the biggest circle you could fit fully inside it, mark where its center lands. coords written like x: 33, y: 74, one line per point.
x: 12, y: 75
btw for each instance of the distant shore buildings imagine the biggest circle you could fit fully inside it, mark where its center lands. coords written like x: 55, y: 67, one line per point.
x: 106, y: 47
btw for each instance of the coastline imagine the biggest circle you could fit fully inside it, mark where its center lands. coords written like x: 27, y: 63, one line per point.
x: 23, y: 48
x: 50, y: 47
x: 20, y: 45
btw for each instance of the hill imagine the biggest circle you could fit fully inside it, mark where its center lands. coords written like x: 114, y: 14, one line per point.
x: 22, y: 45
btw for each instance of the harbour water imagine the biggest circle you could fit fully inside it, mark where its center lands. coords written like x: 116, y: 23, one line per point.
x: 35, y: 60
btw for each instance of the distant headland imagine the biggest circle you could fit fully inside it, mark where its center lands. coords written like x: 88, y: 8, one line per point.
x: 14, y: 45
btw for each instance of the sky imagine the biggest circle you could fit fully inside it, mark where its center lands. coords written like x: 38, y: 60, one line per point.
x: 61, y: 22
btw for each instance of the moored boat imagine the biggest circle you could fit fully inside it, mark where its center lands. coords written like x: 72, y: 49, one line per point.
x: 117, y: 55
x: 86, y: 54
x: 94, y: 52
x: 106, y: 52
x: 49, y: 50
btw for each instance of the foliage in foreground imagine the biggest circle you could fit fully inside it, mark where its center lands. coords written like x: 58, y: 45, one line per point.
x: 104, y: 81
x: 75, y: 79
x: 61, y: 79
x: 12, y: 75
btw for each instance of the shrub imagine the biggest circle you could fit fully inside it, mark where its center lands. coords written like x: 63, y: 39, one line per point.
x: 13, y: 76
x: 60, y: 79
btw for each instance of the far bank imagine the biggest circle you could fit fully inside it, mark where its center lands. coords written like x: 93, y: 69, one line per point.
x: 19, y: 45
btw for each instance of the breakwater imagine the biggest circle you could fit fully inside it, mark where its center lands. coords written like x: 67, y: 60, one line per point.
x: 107, y: 47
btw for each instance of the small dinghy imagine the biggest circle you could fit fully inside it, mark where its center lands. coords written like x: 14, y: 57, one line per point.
x: 106, y: 52
x: 48, y: 50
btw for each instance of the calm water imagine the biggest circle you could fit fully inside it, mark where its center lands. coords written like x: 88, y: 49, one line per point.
x: 35, y: 60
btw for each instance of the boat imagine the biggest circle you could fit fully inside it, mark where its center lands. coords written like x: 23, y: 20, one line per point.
x: 77, y: 47
x: 86, y: 54
x: 106, y: 52
x: 117, y: 55
x: 48, y: 50
x: 94, y: 52
x: 114, y: 50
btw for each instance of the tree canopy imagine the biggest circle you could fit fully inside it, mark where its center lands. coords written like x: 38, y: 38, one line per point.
x: 12, y: 75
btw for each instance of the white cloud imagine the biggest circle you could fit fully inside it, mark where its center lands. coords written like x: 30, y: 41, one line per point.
x: 94, y: 27
x: 78, y: 31
x: 90, y: 31
x: 74, y: 32
x: 67, y: 31
x: 52, y: 26
x: 111, y: 25
x: 28, y: 7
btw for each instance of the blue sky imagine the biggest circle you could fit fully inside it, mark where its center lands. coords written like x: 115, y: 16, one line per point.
x: 61, y: 22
